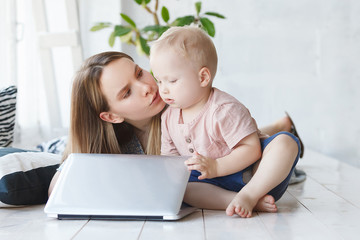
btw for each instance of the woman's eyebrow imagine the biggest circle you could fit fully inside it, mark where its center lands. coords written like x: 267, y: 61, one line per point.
x: 136, y: 68
x: 126, y: 86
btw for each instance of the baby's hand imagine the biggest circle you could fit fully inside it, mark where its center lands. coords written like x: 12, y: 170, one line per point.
x: 207, y: 166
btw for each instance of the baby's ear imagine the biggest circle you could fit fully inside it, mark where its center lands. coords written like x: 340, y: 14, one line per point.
x: 111, y: 117
x: 204, y: 76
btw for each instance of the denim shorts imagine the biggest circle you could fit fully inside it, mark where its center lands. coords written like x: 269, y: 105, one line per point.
x: 234, y: 182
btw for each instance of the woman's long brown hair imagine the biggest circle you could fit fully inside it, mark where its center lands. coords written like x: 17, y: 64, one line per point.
x: 88, y: 133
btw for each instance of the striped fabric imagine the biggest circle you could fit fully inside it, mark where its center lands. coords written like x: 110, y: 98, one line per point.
x: 7, y: 115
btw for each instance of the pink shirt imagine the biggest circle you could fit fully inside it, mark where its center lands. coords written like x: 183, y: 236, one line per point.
x: 220, y: 125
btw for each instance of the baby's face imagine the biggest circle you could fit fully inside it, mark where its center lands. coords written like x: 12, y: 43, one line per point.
x: 177, y: 77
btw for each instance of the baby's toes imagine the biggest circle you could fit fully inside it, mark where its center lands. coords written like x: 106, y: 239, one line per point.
x: 249, y: 214
x: 230, y: 210
x: 240, y: 211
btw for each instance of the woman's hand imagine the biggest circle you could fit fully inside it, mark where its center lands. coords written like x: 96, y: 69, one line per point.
x: 207, y: 166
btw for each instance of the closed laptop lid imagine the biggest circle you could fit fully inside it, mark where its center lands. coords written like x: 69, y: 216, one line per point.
x: 119, y: 184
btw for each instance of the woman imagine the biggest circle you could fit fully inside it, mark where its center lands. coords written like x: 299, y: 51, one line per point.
x: 116, y: 108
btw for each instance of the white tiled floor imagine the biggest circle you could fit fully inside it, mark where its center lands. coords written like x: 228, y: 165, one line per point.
x: 325, y: 206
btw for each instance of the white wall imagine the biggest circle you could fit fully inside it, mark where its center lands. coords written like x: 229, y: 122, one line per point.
x: 91, y: 12
x: 298, y: 56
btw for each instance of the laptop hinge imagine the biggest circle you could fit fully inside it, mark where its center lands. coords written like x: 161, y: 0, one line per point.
x: 107, y: 217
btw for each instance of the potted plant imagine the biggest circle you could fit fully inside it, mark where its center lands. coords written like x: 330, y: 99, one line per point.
x: 132, y: 34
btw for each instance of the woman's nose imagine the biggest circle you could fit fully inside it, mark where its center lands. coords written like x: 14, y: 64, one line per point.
x: 146, y: 89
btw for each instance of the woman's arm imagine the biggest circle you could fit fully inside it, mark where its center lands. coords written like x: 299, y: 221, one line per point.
x: 53, y: 181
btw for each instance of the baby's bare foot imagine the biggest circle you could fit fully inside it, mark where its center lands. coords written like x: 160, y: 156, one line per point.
x: 241, y: 205
x: 266, y: 204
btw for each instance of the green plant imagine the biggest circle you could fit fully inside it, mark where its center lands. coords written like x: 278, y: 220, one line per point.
x: 141, y: 37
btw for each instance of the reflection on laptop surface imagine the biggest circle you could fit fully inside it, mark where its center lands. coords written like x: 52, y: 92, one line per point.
x: 120, y: 186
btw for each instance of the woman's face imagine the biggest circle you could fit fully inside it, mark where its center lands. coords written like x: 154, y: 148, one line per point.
x: 131, y: 92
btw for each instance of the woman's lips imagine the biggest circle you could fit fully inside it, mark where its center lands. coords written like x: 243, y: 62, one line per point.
x: 155, y: 98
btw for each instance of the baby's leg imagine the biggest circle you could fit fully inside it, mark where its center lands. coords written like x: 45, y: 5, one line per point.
x: 208, y: 196
x: 275, y: 165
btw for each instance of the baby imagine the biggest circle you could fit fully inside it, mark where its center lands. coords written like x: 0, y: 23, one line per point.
x: 210, y: 125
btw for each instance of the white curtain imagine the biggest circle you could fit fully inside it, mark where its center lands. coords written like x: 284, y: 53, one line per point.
x: 7, y: 43
x: 21, y: 66
x: 21, y: 63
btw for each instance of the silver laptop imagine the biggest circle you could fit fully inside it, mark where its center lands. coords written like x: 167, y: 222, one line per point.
x: 120, y: 186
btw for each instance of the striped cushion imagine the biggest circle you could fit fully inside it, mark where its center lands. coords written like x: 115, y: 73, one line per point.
x: 7, y: 115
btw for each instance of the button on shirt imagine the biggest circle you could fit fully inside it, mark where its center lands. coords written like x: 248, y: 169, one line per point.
x: 221, y: 124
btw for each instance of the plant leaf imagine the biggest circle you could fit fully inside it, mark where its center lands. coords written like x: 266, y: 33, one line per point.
x: 208, y: 26
x: 165, y: 14
x: 128, y: 19
x: 147, y: 1
x: 182, y: 21
x: 120, y: 30
x: 126, y: 38
x: 215, y: 14
x: 138, y: 1
x: 144, y: 46
x: 198, y: 7
x: 112, y: 39
x: 155, y: 28
x: 100, y: 25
